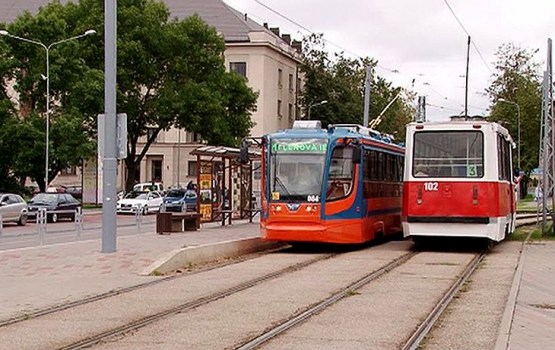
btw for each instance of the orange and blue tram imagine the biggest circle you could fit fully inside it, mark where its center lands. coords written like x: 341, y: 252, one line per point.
x: 341, y: 185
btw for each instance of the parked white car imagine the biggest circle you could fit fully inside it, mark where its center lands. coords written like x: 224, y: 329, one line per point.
x: 145, y: 202
x: 149, y: 186
x: 13, y: 208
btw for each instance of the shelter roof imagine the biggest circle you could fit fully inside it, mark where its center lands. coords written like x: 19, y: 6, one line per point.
x: 222, y: 152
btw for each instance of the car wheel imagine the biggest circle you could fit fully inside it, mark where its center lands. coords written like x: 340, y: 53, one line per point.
x: 145, y: 210
x: 22, y: 220
x: 53, y: 218
x: 72, y: 217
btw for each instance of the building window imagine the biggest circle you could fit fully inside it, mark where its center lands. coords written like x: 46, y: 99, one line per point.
x: 192, y: 137
x: 150, y: 133
x: 280, y: 78
x: 72, y: 170
x: 239, y: 68
x: 290, y: 82
x: 290, y: 111
x: 156, y: 170
x: 192, y: 168
x: 279, y: 109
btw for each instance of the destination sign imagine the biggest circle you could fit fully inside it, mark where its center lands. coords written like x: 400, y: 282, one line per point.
x: 299, y: 146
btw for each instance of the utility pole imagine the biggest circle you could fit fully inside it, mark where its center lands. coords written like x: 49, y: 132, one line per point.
x: 466, y: 76
x: 547, y: 155
x: 110, y: 162
x: 367, y: 82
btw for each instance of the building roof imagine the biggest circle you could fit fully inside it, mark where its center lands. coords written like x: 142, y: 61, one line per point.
x: 234, y: 25
x: 10, y: 9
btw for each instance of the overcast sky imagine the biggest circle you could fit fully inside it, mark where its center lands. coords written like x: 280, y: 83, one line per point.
x: 420, y: 39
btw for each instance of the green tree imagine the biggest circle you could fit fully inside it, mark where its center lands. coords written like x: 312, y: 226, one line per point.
x: 171, y: 73
x: 341, y: 81
x: 516, y: 79
x: 25, y: 67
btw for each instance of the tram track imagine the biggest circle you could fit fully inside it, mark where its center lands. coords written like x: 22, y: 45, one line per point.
x: 120, y: 291
x: 318, y: 307
x: 426, y: 326
x: 145, y: 321
x: 147, y: 317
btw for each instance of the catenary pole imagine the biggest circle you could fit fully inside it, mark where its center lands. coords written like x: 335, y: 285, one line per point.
x: 367, y: 82
x: 109, y: 170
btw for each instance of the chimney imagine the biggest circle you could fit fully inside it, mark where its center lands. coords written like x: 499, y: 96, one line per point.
x: 245, y: 16
x: 265, y: 25
x: 297, y: 45
x: 286, y: 38
x: 275, y: 30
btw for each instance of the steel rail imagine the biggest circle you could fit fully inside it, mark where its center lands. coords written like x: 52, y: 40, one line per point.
x: 98, y: 338
x: 303, y: 316
x: 120, y: 291
x: 424, y: 328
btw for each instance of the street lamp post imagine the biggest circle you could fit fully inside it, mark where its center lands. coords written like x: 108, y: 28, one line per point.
x: 315, y: 105
x: 518, y: 128
x: 47, y: 50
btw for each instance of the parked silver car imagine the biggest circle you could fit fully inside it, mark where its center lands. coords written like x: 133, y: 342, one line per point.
x: 13, y: 208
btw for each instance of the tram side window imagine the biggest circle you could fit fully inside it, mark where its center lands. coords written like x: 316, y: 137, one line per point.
x: 340, y: 179
x: 504, y: 160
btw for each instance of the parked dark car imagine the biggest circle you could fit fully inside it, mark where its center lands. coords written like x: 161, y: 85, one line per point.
x: 75, y: 191
x: 180, y: 200
x: 58, y: 206
x: 13, y: 208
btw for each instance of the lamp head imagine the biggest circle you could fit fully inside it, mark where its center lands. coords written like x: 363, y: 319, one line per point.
x: 324, y: 102
x: 90, y: 32
x: 3, y: 32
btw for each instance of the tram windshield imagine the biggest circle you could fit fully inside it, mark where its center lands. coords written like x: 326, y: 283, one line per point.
x: 297, y: 169
x: 448, y: 154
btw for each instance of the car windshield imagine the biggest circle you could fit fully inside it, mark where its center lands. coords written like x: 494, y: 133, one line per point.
x: 136, y: 195
x: 175, y: 194
x: 45, y: 198
x: 297, y: 168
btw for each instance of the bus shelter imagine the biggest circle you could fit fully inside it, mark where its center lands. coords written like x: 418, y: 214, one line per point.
x: 225, y: 187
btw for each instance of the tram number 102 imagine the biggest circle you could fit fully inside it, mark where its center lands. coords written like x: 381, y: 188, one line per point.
x: 431, y: 186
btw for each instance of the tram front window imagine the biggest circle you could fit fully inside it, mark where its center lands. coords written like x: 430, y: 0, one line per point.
x: 448, y: 154
x: 296, y: 169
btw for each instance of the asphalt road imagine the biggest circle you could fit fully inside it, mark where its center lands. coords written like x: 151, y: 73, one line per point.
x: 15, y: 237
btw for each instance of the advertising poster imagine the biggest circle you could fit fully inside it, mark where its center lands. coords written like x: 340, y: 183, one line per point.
x: 205, y: 191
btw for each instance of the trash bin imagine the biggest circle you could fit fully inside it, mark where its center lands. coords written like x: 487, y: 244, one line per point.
x: 163, y: 223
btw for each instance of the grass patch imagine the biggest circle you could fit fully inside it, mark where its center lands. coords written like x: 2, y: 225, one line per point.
x: 522, y: 232
x: 351, y: 293
x: 91, y: 206
x: 156, y: 273
x: 544, y: 306
x: 443, y: 264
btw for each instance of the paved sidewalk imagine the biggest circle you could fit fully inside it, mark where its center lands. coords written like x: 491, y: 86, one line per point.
x: 533, y: 325
x: 38, y: 277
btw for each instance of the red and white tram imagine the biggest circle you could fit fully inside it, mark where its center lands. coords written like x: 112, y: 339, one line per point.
x: 458, y: 181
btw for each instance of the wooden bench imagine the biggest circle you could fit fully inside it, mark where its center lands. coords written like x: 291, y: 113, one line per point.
x: 177, y: 222
x: 187, y: 221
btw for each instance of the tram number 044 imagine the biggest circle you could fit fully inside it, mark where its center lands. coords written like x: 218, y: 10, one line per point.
x: 431, y: 186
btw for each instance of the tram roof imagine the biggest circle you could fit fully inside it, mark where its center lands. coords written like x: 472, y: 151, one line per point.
x: 462, y: 125
x: 334, y: 132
